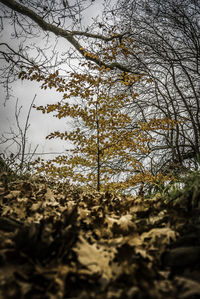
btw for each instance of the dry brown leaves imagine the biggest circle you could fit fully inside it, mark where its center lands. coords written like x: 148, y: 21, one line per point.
x: 57, y: 241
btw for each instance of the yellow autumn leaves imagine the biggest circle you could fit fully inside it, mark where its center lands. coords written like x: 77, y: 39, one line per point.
x: 104, y: 140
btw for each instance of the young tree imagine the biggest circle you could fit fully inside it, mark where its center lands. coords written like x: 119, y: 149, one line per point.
x: 107, y: 141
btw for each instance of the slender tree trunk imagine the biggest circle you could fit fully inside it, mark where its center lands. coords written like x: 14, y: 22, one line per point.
x: 98, y: 158
x: 98, y: 151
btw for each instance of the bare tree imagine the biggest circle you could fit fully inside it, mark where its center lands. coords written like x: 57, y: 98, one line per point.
x: 51, y: 21
x: 167, y: 35
x: 17, y: 153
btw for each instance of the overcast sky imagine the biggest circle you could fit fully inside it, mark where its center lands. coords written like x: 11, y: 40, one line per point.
x: 40, y: 124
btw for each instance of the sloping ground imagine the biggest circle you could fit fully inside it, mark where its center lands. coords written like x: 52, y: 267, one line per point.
x: 59, y: 242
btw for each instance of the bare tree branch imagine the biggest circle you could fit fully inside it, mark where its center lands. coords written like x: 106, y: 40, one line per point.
x: 67, y: 34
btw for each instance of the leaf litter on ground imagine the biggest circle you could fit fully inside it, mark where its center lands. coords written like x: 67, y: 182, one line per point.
x: 59, y: 241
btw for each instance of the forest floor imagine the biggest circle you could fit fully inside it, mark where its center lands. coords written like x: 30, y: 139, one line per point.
x: 59, y: 242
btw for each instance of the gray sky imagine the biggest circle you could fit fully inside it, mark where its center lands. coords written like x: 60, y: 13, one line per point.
x: 40, y: 124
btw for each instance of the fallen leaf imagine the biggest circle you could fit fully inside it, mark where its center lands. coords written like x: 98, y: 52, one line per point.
x: 49, y: 196
x: 95, y: 259
x: 125, y: 222
x: 164, y: 234
x: 13, y: 194
x: 191, y: 288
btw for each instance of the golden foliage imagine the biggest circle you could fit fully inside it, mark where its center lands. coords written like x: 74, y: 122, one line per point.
x: 103, y: 137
